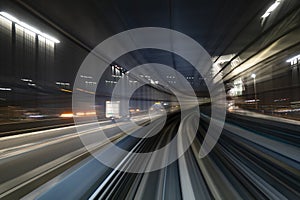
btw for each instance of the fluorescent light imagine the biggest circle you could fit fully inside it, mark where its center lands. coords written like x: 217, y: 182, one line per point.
x: 266, y: 15
x: 10, y: 17
x: 5, y: 89
x: 28, y: 27
x: 293, y: 58
x: 50, y: 38
x: 273, y: 7
x: 26, y: 80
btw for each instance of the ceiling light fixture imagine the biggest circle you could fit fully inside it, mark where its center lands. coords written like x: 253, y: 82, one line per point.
x: 28, y: 27
x: 271, y: 9
x: 293, y: 59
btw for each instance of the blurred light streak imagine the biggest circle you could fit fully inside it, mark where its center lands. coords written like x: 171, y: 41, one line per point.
x: 85, y: 91
x: 65, y: 90
x: 66, y: 115
x: 90, y: 113
x: 80, y: 114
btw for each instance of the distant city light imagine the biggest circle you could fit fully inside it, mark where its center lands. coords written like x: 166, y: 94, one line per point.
x: 190, y: 78
x: 63, y: 83
x: 113, y: 82
x: 85, y: 76
x: 271, y: 9
x: 28, y: 27
x: 90, y: 83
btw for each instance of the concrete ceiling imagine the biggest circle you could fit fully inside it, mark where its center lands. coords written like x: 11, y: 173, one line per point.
x: 222, y: 27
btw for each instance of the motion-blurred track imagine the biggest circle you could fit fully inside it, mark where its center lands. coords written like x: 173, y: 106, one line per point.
x: 254, y: 159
